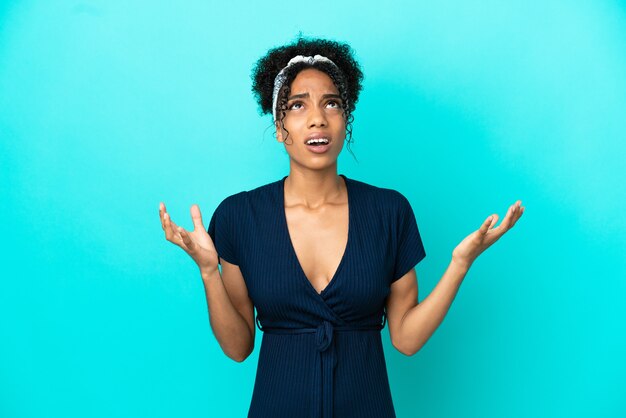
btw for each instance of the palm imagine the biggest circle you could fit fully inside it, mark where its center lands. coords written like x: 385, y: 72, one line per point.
x: 478, y: 241
x: 196, y: 243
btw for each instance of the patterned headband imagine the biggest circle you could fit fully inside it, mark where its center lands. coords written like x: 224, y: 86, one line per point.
x: 281, y: 77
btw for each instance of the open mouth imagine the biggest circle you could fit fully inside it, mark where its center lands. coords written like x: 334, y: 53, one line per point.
x: 318, y: 145
x: 318, y: 142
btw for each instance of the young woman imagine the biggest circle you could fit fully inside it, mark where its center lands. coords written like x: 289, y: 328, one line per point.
x: 326, y: 260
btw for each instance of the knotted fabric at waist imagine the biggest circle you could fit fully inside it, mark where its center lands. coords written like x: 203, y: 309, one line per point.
x: 325, y: 360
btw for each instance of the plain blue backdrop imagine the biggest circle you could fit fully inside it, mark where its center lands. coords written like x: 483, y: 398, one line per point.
x: 109, y: 107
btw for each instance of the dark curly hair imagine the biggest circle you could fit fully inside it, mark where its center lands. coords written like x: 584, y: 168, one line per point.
x: 347, y: 77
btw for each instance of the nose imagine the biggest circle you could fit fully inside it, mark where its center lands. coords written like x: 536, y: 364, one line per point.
x: 317, y: 117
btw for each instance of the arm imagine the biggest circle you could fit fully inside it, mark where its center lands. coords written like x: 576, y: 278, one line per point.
x: 231, y: 312
x: 412, y: 324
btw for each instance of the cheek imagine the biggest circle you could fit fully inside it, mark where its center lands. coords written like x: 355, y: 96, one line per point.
x: 340, y: 122
x: 290, y: 130
x: 293, y: 124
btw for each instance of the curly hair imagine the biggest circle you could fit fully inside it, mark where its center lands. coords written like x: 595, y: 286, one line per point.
x: 347, y: 76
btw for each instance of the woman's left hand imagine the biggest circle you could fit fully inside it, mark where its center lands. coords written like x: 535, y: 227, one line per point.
x: 478, y: 241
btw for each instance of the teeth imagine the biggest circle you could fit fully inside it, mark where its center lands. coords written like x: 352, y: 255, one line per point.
x: 317, y: 141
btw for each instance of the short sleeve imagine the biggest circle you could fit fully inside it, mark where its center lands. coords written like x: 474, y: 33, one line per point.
x: 221, y: 231
x: 409, y: 246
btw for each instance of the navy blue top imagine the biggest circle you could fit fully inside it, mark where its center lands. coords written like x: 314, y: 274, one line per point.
x: 321, y: 353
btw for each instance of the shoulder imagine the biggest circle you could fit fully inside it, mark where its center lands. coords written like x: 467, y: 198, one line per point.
x: 231, y: 202
x: 262, y: 192
x: 383, y: 197
x: 249, y: 198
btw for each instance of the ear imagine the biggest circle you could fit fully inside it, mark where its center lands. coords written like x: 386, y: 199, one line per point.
x: 279, y: 132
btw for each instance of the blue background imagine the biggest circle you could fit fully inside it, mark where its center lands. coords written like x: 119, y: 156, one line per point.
x: 108, y: 108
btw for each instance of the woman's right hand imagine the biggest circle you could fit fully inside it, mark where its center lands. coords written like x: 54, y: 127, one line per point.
x: 197, y: 243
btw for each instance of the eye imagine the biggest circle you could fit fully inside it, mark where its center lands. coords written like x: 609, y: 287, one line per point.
x: 337, y: 104
x: 294, y: 104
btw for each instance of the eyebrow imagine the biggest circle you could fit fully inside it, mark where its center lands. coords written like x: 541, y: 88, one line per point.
x: 302, y: 95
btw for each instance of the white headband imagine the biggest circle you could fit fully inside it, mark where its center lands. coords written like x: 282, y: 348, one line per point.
x: 280, y: 78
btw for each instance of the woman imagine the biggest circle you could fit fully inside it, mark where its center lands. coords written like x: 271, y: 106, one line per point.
x: 325, y: 259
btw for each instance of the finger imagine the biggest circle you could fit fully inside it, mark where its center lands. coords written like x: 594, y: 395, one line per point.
x: 187, y: 241
x: 518, y: 213
x: 485, y: 226
x: 161, y: 211
x: 513, y: 215
x: 490, y: 221
x: 167, y: 226
x: 506, y: 222
x: 196, y: 217
x: 170, y: 232
x: 494, y: 221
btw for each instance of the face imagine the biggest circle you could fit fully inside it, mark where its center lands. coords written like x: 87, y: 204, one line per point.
x: 313, y: 109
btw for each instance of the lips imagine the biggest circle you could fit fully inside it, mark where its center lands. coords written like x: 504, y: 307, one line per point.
x: 318, y: 144
x: 317, y: 135
x: 318, y: 149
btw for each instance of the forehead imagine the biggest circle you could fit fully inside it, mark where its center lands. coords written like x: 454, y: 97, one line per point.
x: 311, y: 79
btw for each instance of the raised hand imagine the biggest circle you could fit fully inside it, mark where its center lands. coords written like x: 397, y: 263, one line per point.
x: 478, y: 241
x: 197, y: 243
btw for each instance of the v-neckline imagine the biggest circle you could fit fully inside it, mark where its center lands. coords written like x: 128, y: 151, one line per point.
x: 290, y: 242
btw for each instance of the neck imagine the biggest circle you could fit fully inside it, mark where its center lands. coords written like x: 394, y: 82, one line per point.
x: 313, y: 189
